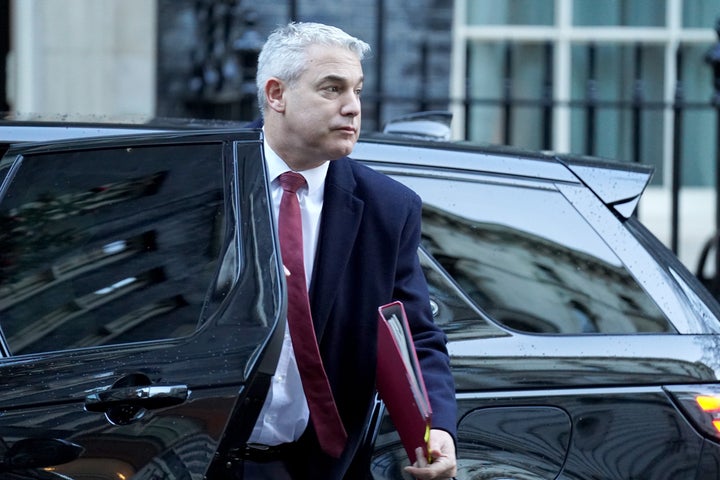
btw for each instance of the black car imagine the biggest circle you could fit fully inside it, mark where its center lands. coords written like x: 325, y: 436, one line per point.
x: 140, y: 293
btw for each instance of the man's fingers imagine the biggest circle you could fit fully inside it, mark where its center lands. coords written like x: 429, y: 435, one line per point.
x: 420, y: 461
x: 441, y: 468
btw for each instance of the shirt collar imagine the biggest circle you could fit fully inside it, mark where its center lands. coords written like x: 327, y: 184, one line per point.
x: 315, y: 177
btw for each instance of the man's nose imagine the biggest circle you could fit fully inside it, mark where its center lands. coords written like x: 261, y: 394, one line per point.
x: 351, y: 104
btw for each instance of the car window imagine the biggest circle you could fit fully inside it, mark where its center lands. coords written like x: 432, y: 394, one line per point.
x: 528, y: 259
x: 452, y: 310
x: 115, y: 246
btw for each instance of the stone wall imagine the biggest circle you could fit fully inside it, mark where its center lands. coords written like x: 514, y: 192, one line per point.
x: 82, y: 57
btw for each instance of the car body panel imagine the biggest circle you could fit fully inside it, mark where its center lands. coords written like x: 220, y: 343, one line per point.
x: 603, y: 440
x: 570, y: 328
x: 556, y: 403
x: 462, y: 158
x: 137, y: 407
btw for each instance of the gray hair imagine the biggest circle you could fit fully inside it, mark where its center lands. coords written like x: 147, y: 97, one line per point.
x: 284, y: 54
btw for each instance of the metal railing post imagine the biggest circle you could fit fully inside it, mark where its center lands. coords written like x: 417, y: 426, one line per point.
x: 638, y: 97
x: 547, y: 96
x: 507, y: 100
x: 591, y: 101
x: 676, y: 177
x: 379, y: 55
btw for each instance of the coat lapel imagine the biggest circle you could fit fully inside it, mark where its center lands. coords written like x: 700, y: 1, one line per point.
x: 340, y: 221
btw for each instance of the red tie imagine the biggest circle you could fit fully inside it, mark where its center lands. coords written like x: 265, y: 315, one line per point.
x: 323, y: 411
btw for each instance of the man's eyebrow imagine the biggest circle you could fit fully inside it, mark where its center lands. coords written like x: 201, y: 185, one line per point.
x: 339, y: 78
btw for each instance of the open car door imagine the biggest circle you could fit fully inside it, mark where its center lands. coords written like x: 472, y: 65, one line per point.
x: 140, y: 294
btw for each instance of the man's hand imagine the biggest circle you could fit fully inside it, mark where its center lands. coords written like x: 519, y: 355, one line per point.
x: 442, y: 451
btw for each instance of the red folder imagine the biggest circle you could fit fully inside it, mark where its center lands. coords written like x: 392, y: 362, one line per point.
x: 399, y: 380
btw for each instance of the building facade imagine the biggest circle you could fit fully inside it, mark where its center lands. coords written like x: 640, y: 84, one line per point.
x: 581, y: 76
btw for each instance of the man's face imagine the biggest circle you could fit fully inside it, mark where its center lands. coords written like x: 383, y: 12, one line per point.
x: 321, y: 118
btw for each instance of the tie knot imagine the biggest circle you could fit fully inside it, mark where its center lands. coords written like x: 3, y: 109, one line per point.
x: 291, y: 181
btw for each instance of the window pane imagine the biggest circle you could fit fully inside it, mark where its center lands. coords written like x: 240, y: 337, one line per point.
x: 700, y: 13
x: 612, y: 71
x: 698, y: 119
x: 617, y: 99
x: 511, y: 12
x: 627, y: 13
x: 485, y: 92
x: 451, y: 310
x: 508, y: 82
x: 531, y: 261
x: 109, y: 246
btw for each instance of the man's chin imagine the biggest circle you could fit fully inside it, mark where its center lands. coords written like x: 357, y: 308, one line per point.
x: 343, y: 149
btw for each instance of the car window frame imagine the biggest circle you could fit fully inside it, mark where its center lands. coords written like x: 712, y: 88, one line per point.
x: 621, y: 240
x: 13, y: 159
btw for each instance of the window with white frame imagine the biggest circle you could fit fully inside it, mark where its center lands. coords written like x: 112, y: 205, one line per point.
x: 616, y: 79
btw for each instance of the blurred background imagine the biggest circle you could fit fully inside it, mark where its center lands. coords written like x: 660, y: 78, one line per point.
x: 627, y: 80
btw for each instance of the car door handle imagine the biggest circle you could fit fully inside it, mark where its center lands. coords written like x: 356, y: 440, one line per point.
x: 149, y: 397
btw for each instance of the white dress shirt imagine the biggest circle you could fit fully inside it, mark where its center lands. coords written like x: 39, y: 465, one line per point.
x: 285, y: 414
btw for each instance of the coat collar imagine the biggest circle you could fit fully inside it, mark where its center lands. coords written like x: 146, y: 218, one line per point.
x: 339, y: 225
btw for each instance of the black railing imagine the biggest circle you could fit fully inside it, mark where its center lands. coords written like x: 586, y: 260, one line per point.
x: 221, y: 92
x: 637, y: 106
x: 591, y: 106
x: 676, y: 181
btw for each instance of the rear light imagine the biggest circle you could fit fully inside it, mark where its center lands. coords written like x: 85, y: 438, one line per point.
x: 701, y: 405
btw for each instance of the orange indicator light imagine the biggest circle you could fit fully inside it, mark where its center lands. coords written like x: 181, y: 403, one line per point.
x: 716, y: 424
x: 708, y: 403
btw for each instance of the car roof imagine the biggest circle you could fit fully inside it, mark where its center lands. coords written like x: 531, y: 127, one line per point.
x: 16, y: 128
x: 618, y: 184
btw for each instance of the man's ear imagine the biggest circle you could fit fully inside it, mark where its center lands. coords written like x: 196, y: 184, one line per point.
x: 275, y: 93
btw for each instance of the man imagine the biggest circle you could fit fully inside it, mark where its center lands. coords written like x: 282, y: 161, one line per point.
x: 360, y: 232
